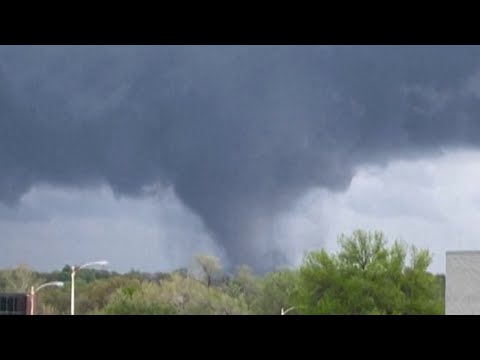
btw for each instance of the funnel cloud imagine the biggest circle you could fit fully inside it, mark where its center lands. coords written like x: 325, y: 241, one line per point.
x: 238, y: 132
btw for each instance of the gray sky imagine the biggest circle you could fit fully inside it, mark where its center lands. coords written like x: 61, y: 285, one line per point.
x: 148, y: 155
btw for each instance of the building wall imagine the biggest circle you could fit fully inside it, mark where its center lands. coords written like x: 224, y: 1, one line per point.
x: 462, y: 292
x: 13, y: 304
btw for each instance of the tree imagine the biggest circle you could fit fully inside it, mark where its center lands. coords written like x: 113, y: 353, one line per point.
x: 205, y: 267
x: 138, y: 299
x: 277, y: 292
x: 97, y: 294
x: 244, y: 285
x: 19, y: 279
x: 441, y: 286
x: 423, y: 289
x: 53, y: 300
x: 189, y: 296
x: 368, y: 277
x: 176, y: 295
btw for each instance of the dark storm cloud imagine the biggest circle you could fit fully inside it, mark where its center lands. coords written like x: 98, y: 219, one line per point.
x: 238, y: 131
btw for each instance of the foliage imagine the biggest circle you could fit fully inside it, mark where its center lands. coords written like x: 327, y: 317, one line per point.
x: 205, y: 267
x: 96, y: 295
x: 138, y: 299
x: 176, y: 295
x: 368, y: 277
x: 19, y: 279
x: 277, y: 291
x: 245, y: 286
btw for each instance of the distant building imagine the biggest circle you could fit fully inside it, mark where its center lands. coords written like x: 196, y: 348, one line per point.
x: 462, y: 283
x: 14, y: 304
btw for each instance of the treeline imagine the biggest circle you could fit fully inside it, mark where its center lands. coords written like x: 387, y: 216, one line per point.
x: 366, y: 276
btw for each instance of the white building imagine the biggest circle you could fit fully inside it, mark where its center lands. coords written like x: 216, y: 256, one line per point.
x: 462, y: 283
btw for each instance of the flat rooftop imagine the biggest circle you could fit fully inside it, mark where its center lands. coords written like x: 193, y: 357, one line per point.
x: 463, y: 252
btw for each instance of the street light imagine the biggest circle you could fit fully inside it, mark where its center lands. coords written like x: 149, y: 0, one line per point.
x: 283, y: 312
x: 33, y: 291
x: 74, y: 271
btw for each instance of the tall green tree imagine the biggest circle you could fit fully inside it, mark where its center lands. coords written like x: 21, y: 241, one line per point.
x: 205, y: 267
x: 97, y: 294
x: 138, y: 299
x: 19, y: 279
x: 178, y: 294
x: 277, y: 291
x: 245, y: 286
x: 368, y: 277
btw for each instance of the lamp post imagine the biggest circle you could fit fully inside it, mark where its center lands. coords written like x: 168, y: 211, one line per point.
x: 283, y: 312
x: 74, y: 271
x: 33, y: 291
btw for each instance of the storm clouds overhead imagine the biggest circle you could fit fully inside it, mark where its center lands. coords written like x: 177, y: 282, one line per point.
x: 235, y: 136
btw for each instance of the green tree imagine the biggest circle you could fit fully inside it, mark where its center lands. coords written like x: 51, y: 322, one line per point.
x: 278, y: 289
x: 178, y: 294
x: 206, y: 267
x: 245, y: 286
x: 19, y: 279
x: 193, y: 297
x: 441, y: 290
x: 53, y: 300
x: 96, y: 295
x: 138, y: 299
x: 368, y: 277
